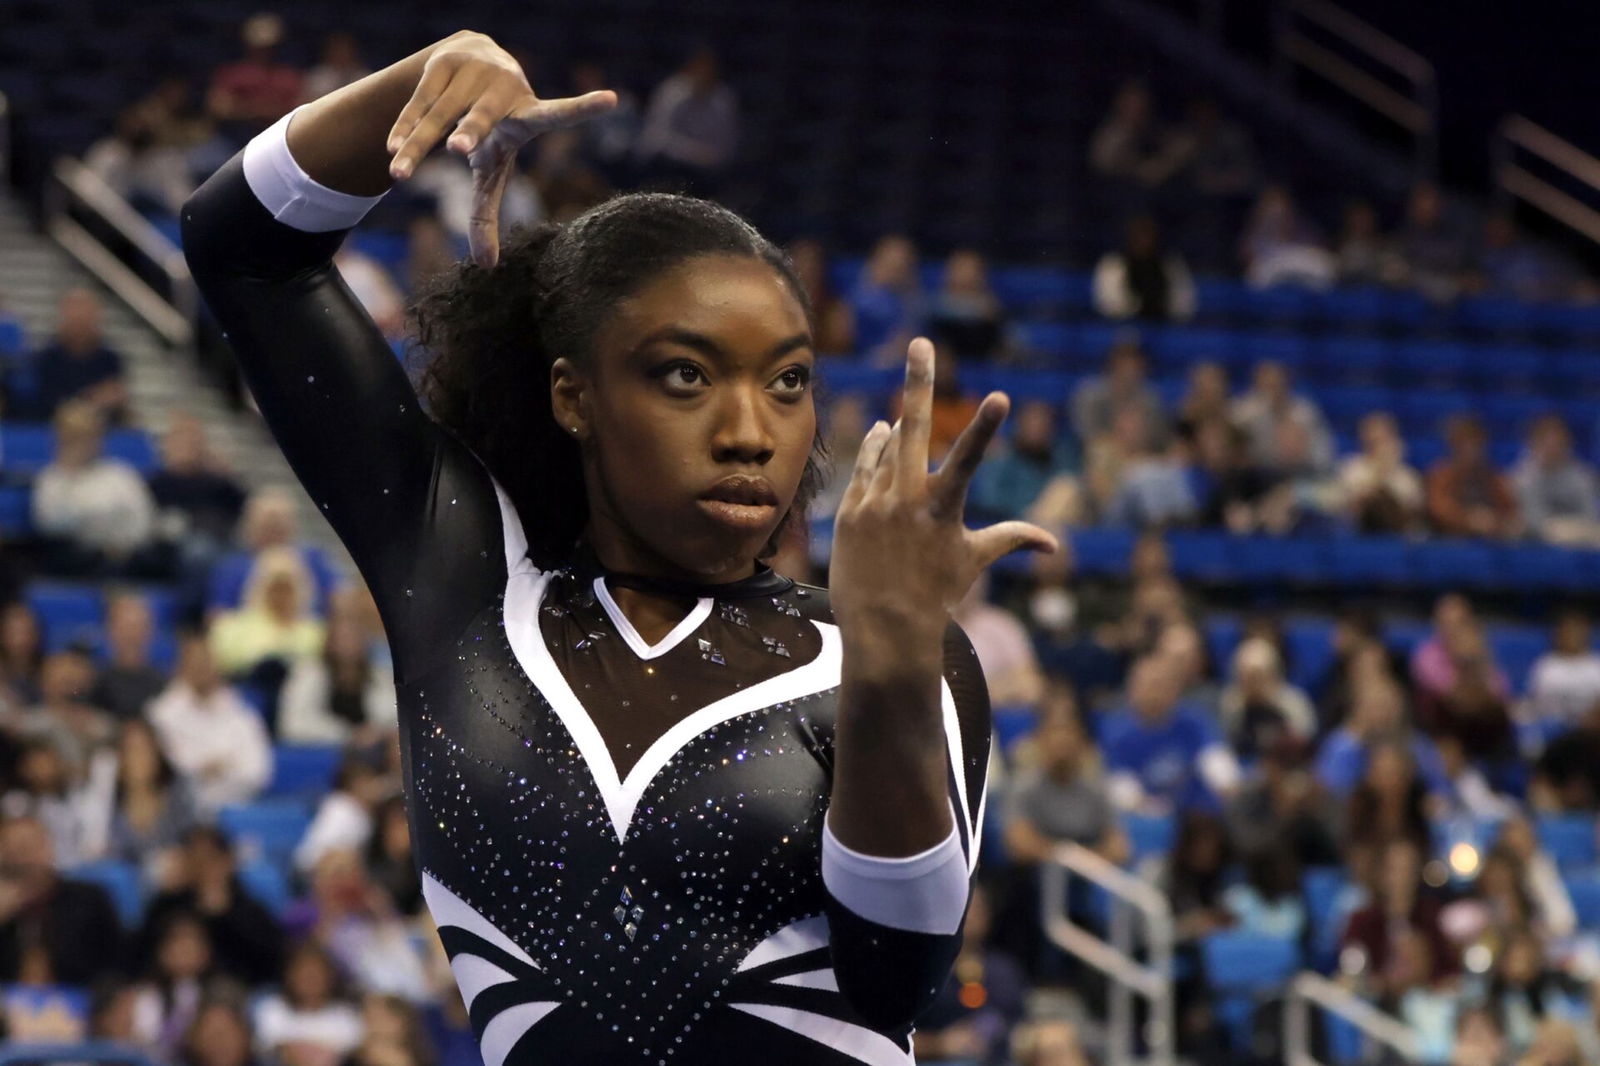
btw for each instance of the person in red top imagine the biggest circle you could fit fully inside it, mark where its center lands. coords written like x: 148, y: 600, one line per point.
x: 1467, y: 496
x: 255, y: 90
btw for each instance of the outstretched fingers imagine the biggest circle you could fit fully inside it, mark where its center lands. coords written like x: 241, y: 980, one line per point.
x: 916, y: 416
x: 948, y: 492
x: 566, y: 111
x: 483, y: 231
x: 453, y: 102
x: 991, y: 543
x: 867, y: 458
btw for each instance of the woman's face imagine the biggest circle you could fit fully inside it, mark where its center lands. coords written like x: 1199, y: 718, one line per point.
x: 696, y: 418
x: 219, y: 1038
x: 309, y: 981
x: 19, y: 631
x: 185, y: 951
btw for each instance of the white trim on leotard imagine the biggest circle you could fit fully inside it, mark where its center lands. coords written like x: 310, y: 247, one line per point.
x: 635, y: 640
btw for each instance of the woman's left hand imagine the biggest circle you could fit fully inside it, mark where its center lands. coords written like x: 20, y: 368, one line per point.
x: 902, y: 558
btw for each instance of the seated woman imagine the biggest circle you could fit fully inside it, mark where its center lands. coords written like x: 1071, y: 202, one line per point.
x: 260, y: 641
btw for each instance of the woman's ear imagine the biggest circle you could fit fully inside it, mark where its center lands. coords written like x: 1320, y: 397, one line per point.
x: 569, y: 398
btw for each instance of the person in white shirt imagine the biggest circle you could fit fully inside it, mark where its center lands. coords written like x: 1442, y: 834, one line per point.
x: 1382, y: 492
x: 210, y: 734
x: 1565, y: 683
x: 344, y: 817
x: 312, y: 1017
x: 1004, y: 650
x: 98, y: 506
x: 328, y: 697
x: 692, y: 123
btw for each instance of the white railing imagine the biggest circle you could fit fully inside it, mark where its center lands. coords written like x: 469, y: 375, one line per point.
x: 1309, y: 990
x: 1514, y: 181
x: 1305, y: 34
x: 1115, y: 957
x: 74, y: 190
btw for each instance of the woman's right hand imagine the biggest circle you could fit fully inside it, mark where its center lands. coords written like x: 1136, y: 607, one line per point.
x: 475, y: 90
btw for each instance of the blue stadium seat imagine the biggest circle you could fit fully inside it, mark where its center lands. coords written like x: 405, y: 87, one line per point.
x: 1495, y: 315
x: 1223, y: 633
x: 1309, y: 643
x: 1055, y: 339
x: 1403, y: 635
x: 1281, y: 560
x: 1459, y: 563
x: 25, y: 447
x: 1101, y: 551
x: 1321, y: 886
x: 121, y: 881
x: 267, y: 830
x: 1012, y: 724
x: 13, y: 339
x: 1203, y: 555
x: 1149, y: 834
x: 1584, y: 888
x: 304, y: 770
x: 1351, y: 360
x: 1510, y: 370
x: 1515, y: 649
x: 1432, y: 364
x: 68, y: 612
x: 1538, y: 566
x: 133, y: 446
x: 268, y: 885
x: 1243, y: 969
x: 16, y: 510
x: 1569, y: 838
x: 1371, y: 561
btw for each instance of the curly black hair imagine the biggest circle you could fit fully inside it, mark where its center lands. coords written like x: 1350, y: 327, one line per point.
x: 488, y: 337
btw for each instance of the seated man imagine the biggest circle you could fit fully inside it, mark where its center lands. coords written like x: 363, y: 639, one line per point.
x: 77, y: 364
x: 52, y: 930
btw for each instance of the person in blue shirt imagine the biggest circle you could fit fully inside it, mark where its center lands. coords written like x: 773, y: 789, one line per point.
x: 1038, y: 454
x: 1377, y: 715
x: 77, y: 364
x: 888, y: 301
x: 1163, y: 755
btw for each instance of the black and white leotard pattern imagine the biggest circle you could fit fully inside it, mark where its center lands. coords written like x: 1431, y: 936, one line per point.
x: 621, y: 842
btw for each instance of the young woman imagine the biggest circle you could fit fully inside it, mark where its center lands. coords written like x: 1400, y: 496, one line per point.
x: 668, y: 805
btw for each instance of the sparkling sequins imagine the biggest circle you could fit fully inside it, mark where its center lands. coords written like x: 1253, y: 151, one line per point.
x: 775, y: 646
x: 710, y: 652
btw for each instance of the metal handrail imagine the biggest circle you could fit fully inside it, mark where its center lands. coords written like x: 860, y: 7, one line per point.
x: 1115, y: 957
x: 1514, y: 181
x: 1309, y: 990
x: 173, y: 315
x: 1414, y: 109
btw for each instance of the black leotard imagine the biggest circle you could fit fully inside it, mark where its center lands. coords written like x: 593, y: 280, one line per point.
x: 619, y: 842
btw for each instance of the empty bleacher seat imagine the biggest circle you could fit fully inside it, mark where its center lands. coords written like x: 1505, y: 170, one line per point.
x: 1321, y: 887
x: 1584, y: 888
x: 1149, y: 834
x: 268, y: 830
x: 267, y: 884
x: 121, y: 882
x: 16, y: 510
x: 303, y: 769
x: 1569, y: 839
x: 1242, y: 970
x: 67, y: 611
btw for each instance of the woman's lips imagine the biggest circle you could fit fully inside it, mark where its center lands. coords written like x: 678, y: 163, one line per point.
x: 743, y: 517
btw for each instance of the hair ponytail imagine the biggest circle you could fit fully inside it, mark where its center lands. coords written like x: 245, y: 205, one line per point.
x: 490, y: 337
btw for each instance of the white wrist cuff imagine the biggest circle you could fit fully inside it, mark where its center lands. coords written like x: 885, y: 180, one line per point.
x: 289, y: 193
x: 923, y: 893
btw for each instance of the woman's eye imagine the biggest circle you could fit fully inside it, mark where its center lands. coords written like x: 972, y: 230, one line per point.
x: 794, y: 379
x: 681, y: 376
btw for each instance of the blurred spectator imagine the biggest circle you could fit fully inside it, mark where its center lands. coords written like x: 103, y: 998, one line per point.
x: 1162, y: 755
x: 1259, y: 708
x: 964, y: 316
x: 358, y: 923
x: 887, y: 304
x: 1007, y: 485
x: 844, y: 425
x: 133, y: 161
x: 338, y: 693
x: 270, y: 521
x: 1212, y: 153
x: 1207, y: 397
x: 1003, y: 648
x: 1479, y: 1039
x: 691, y: 126
x: 129, y: 680
x: 246, y: 941
x: 52, y: 930
x: 953, y: 409
x: 1365, y: 256
x: 1193, y: 876
x: 1431, y: 246
x: 274, y: 625
x: 1566, y: 777
x: 374, y: 288
x: 1522, y: 987
x: 984, y: 996
x: 1423, y: 999
x: 142, y: 818
x: 1143, y: 280
x: 1564, y: 684
x: 77, y: 364
x: 835, y: 329
x: 447, y: 179
x: 95, y: 510
x: 1472, y: 710
x: 1555, y: 1043
x: 21, y: 654
x: 429, y: 252
x: 199, y: 498
x: 344, y: 817
x: 1122, y: 385
x: 1392, y: 801
x: 312, y: 1019
x: 1182, y: 646
x: 1268, y: 403
x: 1063, y: 796
x: 1268, y: 902
x: 251, y: 92
x: 339, y: 65
x: 216, y: 741
x: 62, y: 716
x: 1153, y: 488
x: 1047, y: 1042
x: 1282, y: 809
x: 1127, y: 143
x: 1467, y: 496
x: 220, y: 1036
x: 393, y: 1035
x: 45, y: 788
x: 1279, y: 247
x: 389, y: 859
x: 1536, y: 872
x: 1509, y: 266
x: 1558, y: 493
x: 1382, y: 492
x: 168, y: 1000
x: 1227, y: 487
x: 1400, y: 906
x: 1377, y: 718
x: 607, y: 142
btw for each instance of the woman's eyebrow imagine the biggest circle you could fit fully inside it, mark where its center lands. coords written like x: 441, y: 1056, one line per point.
x: 708, y: 346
